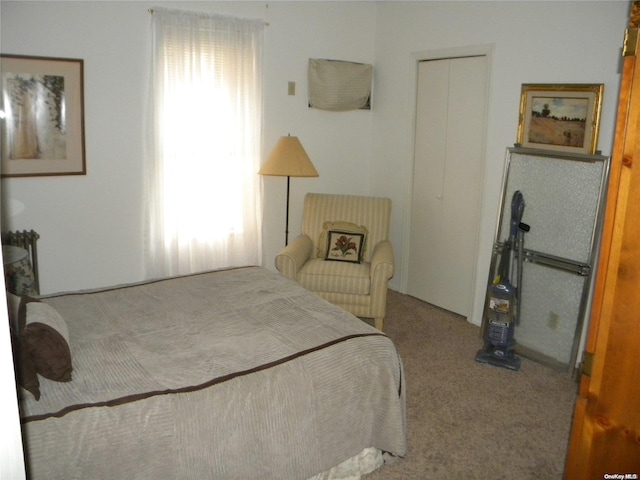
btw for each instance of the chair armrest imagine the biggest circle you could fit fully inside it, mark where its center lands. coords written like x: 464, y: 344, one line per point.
x: 382, y: 263
x: 292, y: 257
x: 381, y: 271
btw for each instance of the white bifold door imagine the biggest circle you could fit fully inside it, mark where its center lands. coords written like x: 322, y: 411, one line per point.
x: 451, y: 106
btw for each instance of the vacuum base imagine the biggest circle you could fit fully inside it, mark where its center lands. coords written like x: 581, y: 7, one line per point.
x: 487, y: 355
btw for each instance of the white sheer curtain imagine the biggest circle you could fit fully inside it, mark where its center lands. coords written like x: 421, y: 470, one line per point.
x: 202, y: 188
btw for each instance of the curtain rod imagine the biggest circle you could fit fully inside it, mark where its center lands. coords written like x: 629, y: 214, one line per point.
x: 151, y: 11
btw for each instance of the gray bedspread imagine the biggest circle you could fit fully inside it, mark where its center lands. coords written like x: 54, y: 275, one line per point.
x: 233, y: 374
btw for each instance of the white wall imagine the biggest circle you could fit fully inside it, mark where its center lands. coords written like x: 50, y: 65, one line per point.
x: 91, y: 225
x: 530, y: 42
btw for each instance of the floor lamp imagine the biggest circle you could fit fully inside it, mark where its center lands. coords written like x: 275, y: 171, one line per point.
x: 288, y: 159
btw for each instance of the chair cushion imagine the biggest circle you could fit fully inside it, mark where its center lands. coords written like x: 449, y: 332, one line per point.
x: 319, y: 275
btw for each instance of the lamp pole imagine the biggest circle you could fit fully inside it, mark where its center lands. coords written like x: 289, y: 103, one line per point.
x: 286, y: 227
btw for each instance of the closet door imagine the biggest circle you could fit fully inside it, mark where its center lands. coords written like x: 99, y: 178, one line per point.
x: 447, y: 181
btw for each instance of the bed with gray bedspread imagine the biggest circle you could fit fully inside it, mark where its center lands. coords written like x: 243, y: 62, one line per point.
x: 232, y: 374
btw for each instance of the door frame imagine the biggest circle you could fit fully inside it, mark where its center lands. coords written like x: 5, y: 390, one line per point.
x: 602, y: 432
x: 486, y: 50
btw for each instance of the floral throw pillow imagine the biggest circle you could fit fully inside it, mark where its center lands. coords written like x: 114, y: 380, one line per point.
x: 343, y: 226
x: 345, y: 246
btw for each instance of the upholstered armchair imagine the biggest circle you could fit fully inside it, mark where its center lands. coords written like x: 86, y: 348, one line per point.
x: 343, y: 253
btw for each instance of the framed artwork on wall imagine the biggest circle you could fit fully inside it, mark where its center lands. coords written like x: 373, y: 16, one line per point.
x: 562, y: 117
x: 42, y: 116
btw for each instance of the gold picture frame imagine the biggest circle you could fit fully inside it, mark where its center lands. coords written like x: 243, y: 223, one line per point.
x: 560, y: 117
x: 42, y: 121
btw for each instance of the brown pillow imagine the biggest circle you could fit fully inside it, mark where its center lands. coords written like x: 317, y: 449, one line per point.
x: 45, y: 335
x: 25, y: 371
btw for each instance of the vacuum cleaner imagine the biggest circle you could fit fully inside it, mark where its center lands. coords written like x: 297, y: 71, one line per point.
x: 503, y: 309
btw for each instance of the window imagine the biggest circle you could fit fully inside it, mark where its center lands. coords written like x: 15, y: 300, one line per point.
x: 202, y: 192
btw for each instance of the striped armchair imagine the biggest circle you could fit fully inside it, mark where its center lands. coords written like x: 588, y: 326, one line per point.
x: 360, y: 288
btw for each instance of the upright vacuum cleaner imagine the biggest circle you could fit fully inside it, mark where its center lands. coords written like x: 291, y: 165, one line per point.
x: 503, y: 310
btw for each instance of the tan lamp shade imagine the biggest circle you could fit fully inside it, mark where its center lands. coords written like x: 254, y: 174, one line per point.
x: 289, y: 159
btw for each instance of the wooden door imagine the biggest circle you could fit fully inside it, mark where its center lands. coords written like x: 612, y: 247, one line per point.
x: 447, y: 180
x: 605, y: 436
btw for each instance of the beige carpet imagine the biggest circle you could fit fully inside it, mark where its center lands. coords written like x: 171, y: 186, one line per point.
x: 469, y: 420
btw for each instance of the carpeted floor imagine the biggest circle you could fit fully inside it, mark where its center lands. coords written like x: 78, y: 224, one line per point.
x: 469, y: 420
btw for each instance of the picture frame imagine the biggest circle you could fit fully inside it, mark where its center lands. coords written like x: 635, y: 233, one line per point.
x: 560, y: 117
x: 42, y: 116
x: 345, y: 246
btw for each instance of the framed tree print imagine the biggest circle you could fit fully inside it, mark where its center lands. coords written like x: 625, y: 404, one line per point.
x: 42, y: 116
x: 563, y: 117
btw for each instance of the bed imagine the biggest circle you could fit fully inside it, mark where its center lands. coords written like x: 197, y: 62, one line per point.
x: 232, y: 374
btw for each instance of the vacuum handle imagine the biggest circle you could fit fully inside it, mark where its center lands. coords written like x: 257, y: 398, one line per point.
x: 517, y: 210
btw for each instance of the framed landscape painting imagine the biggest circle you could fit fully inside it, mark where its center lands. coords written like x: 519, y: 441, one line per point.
x: 42, y: 116
x: 564, y: 117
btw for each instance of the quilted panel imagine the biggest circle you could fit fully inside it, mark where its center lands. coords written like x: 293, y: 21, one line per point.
x: 319, y: 275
